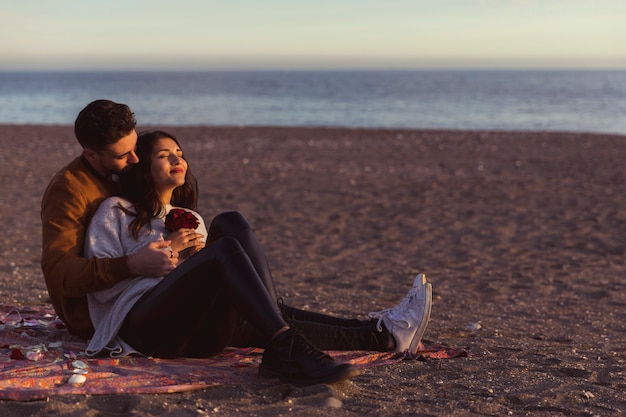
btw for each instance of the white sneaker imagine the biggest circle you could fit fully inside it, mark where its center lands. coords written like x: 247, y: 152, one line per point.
x: 408, y: 320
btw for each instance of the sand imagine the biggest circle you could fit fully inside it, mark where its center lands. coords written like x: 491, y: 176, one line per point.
x: 522, y: 235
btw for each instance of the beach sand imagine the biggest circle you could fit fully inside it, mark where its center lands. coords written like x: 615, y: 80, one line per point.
x: 521, y: 234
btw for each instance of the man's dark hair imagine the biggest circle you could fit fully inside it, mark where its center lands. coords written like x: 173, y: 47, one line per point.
x: 103, y: 122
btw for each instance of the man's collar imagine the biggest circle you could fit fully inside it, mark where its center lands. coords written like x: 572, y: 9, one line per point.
x: 114, y: 178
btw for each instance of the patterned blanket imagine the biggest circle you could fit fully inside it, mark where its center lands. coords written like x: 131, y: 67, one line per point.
x: 39, y: 359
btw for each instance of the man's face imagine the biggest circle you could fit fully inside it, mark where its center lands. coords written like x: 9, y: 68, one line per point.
x: 114, y: 158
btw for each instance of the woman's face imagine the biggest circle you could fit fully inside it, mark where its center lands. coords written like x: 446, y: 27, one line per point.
x: 168, y: 166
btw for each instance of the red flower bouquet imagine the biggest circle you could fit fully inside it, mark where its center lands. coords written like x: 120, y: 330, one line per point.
x: 180, y: 219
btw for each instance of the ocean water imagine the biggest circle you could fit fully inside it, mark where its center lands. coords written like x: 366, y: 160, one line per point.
x: 581, y: 101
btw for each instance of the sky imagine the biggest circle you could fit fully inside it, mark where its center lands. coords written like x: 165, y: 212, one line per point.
x: 314, y: 34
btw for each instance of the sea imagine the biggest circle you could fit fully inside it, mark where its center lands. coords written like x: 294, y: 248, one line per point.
x: 529, y: 100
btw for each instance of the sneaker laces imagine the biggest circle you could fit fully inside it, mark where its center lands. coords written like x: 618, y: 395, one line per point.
x: 393, y: 313
x: 281, y: 307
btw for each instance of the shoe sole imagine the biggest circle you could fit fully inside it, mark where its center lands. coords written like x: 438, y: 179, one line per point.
x: 428, y: 304
x: 347, y: 372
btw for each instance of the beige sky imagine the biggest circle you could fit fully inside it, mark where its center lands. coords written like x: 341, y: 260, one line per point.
x: 208, y: 34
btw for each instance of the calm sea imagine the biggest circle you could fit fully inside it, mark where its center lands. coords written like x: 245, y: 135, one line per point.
x: 591, y: 101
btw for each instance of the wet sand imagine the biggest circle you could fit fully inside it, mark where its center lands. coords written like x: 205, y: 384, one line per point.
x: 522, y: 235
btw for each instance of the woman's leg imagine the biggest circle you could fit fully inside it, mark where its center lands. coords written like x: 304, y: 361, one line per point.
x: 193, y: 312
x: 234, y: 224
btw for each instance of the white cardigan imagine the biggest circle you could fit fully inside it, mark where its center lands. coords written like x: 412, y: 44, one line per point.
x: 108, y: 237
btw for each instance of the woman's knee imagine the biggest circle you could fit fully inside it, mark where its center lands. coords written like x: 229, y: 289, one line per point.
x: 218, y: 252
x: 228, y: 224
x: 228, y: 245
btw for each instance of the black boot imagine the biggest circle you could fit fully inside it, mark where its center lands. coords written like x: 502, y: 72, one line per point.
x: 293, y: 359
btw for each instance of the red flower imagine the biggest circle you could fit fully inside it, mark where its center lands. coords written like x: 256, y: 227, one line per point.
x: 180, y: 219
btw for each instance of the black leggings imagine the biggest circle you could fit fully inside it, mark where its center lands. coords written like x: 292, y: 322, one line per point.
x: 225, y: 296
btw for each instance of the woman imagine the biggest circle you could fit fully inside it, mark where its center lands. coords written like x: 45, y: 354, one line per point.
x: 223, y: 293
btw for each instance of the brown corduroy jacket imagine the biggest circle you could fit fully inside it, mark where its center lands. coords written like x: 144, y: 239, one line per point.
x: 68, y: 204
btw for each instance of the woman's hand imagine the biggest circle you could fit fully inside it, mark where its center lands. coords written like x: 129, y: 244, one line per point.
x: 186, y: 238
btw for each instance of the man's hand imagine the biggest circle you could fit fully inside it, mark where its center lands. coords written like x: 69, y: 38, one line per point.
x: 154, y: 260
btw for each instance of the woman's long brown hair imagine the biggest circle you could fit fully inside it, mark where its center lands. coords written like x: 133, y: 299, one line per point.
x: 138, y: 186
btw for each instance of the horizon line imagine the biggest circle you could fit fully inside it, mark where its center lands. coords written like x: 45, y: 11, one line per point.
x: 317, y: 69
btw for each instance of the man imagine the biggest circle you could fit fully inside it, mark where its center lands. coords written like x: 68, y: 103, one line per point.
x: 106, y: 132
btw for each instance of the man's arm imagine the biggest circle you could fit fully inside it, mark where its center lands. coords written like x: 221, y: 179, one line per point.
x: 65, y: 216
x: 65, y: 213
x: 107, y: 236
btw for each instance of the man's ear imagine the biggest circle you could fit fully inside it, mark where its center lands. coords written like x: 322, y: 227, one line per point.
x: 90, y: 154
